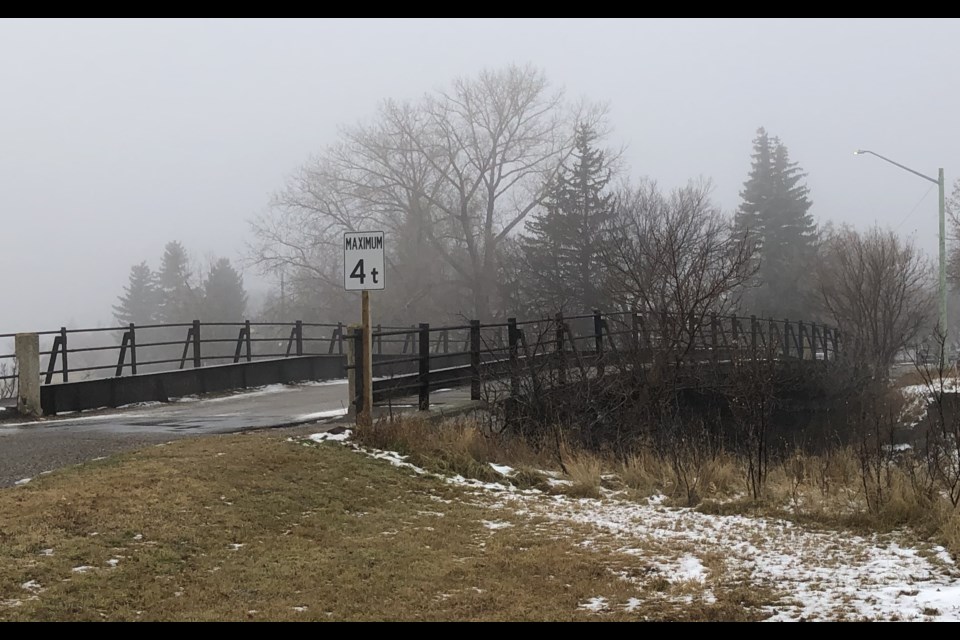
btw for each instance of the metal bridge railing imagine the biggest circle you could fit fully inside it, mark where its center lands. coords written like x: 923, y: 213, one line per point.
x: 420, y: 359
x: 74, y: 354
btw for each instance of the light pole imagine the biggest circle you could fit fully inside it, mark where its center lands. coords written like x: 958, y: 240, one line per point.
x: 943, y: 233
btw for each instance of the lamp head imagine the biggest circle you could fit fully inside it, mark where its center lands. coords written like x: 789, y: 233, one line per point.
x: 859, y: 152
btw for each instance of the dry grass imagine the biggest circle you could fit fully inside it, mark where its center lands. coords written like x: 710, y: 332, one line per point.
x: 584, y: 470
x: 458, y: 446
x: 824, y: 490
x: 254, y: 527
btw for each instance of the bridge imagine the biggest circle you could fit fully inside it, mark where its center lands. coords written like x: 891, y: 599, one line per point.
x: 82, y: 369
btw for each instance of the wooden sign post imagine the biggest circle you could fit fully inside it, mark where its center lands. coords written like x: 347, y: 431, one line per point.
x: 363, y: 270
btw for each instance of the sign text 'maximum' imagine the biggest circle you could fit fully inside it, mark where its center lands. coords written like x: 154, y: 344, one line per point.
x: 363, y: 242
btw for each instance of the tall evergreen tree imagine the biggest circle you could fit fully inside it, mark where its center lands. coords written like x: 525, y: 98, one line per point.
x: 775, y: 212
x: 140, y: 301
x: 224, y: 298
x: 758, y: 189
x: 178, y: 299
x: 562, y: 244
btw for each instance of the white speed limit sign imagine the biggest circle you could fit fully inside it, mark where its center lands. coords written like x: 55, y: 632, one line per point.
x: 363, y: 260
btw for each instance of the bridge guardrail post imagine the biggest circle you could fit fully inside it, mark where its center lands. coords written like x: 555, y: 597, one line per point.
x: 474, y: 359
x: 513, y: 338
x: 801, y: 334
x: 714, y: 341
x: 197, y: 362
x: 246, y: 326
x: 598, y: 339
x: 561, y: 350
x: 787, y: 330
x: 424, y: 367
x: 133, y: 349
x: 63, y: 354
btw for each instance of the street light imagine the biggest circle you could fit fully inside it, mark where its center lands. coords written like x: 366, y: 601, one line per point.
x: 943, y: 233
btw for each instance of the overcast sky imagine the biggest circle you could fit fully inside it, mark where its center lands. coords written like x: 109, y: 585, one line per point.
x: 117, y: 136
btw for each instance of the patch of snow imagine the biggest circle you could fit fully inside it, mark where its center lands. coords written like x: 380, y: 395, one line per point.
x: 113, y: 562
x: 943, y: 555
x: 596, y: 605
x: 493, y: 525
x: 821, y: 574
x: 32, y: 586
x: 502, y: 469
x: 138, y: 537
x: 140, y: 405
x: 330, y: 437
x: 299, y: 609
x: 236, y: 546
x: 22, y: 481
x: 46, y: 552
x: 691, y: 569
x: 64, y: 418
x: 82, y: 568
x: 631, y: 605
x: 12, y: 602
x: 320, y: 415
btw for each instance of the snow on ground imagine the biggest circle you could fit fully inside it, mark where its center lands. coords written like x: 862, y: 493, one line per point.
x: 32, y: 586
x: 919, y: 396
x: 330, y: 437
x: 814, y: 575
x: 596, y: 605
x: 320, y: 415
x: 821, y: 574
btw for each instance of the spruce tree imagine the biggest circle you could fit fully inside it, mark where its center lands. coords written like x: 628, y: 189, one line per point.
x: 775, y: 212
x: 178, y: 299
x: 140, y: 300
x: 224, y: 299
x: 758, y: 189
x: 562, y: 244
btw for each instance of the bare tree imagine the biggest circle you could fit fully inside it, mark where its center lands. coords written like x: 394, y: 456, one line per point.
x: 877, y: 288
x: 676, y: 256
x: 454, y: 173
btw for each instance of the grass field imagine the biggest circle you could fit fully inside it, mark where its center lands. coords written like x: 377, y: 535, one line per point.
x: 265, y: 526
x: 257, y: 527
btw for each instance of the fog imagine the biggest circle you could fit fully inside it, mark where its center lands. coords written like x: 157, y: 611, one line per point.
x: 118, y: 136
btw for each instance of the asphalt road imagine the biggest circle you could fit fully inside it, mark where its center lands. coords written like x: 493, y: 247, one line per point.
x: 30, y: 448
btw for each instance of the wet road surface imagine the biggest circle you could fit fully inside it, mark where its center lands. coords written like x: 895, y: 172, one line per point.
x: 30, y: 448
